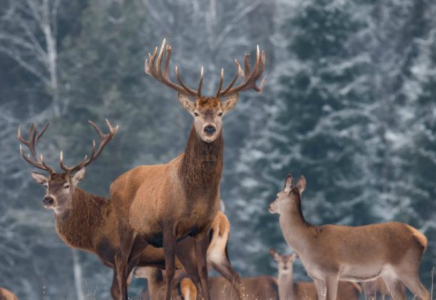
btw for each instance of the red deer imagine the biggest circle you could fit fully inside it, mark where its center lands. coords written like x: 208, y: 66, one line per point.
x: 160, y: 205
x: 7, y: 295
x: 88, y: 222
x: 288, y: 290
x: 332, y: 253
x: 377, y: 287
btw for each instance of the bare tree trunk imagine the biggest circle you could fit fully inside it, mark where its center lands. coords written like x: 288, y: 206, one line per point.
x: 78, y: 279
x: 30, y: 38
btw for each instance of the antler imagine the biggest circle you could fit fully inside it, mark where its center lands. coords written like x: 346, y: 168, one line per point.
x: 154, y: 69
x: 249, y: 78
x: 104, y: 140
x: 31, y: 143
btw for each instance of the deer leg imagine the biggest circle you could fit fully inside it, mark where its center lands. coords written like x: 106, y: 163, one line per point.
x: 332, y: 286
x: 224, y: 267
x: 127, y: 240
x: 320, y: 289
x: 414, y: 285
x: 169, y: 246
x: 201, y: 245
x: 186, y: 253
x: 115, y: 288
x: 395, y: 289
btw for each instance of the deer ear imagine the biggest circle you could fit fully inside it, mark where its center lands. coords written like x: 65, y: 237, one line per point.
x: 186, y: 103
x: 39, y: 178
x: 79, y: 176
x: 273, y: 254
x: 301, y: 184
x: 289, y: 182
x: 229, y: 103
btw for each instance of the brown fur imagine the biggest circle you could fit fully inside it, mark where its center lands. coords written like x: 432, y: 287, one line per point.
x: 90, y: 224
x: 290, y: 290
x: 256, y: 288
x: 331, y: 252
x: 169, y: 202
x: 7, y: 295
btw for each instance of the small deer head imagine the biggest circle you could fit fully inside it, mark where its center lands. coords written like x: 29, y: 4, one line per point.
x: 285, y: 262
x: 288, y: 194
x: 60, y: 187
x: 207, y: 111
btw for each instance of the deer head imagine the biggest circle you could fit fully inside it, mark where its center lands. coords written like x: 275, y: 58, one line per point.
x: 60, y: 187
x: 207, y: 111
x: 289, y: 194
x: 285, y: 262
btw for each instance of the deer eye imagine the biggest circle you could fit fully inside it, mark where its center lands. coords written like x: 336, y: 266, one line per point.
x: 220, y: 114
x: 196, y: 114
x: 66, y: 186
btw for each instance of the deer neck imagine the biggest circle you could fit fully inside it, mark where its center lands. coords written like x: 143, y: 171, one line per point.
x: 155, y: 281
x: 202, y: 166
x: 286, y: 286
x: 296, y: 230
x: 77, y: 225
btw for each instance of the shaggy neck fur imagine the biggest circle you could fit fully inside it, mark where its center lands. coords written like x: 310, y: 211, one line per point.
x: 202, y: 166
x: 77, y: 225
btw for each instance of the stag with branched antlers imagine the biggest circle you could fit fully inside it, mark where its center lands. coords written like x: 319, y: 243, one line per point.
x: 88, y: 222
x: 161, y: 204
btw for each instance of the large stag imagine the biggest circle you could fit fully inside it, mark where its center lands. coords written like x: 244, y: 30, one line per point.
x: 161, y: 204
x: 88, y: 222
x: 332, y: 253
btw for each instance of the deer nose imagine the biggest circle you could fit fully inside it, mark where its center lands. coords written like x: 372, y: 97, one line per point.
x: 48, y: 200
x: 209, y: 129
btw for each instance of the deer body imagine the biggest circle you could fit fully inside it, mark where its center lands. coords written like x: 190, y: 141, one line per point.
x: 194, y: 175
x: 89, y: 222
x: 7, y: 295
x: 331, y: 252
x: 160, y: 205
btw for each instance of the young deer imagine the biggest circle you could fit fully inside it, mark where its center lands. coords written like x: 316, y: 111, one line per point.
x: 88, y: 222
x: 7, y: 295
x: 288, y: 290
x: 256, y: 288
x: 161, y: 204
x: 331, y: 253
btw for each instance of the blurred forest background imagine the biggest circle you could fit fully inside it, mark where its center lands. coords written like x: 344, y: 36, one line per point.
x: 349, y: 103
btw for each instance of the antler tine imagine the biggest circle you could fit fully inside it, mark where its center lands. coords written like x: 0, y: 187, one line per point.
x: 200, y: 83
x: 31, y: 144
x: 104, y: 140
x: 187, y: 89
x: 163, y: 77
x: 221, y: 83
x: 239, y: 73
x: 249, y: 77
